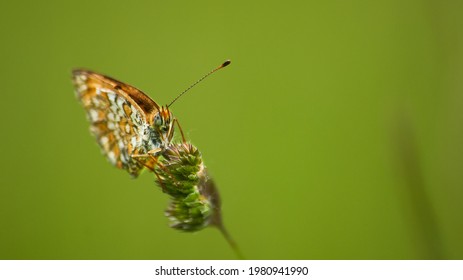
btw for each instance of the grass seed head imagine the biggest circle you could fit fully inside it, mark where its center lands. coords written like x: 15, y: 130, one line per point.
x: 195, y: 201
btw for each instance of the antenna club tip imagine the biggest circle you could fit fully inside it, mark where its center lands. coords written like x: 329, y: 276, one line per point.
x: 227, y: 62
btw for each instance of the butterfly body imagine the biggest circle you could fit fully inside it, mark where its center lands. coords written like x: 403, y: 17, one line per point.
x: 129, y: 126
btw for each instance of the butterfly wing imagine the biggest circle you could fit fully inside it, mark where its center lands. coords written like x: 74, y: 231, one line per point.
x: 120, y: 117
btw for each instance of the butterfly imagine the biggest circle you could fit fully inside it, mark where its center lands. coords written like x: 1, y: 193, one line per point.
x: 127, y: 124
x: 131, y: 128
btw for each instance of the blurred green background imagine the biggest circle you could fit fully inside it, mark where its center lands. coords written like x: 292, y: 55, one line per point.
x: 335, y: 134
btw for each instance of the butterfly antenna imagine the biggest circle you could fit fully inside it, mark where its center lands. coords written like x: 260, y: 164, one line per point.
x: 198, y: 81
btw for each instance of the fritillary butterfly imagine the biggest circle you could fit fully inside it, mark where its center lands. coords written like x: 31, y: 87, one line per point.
x: 131, y: 129
x: 124, y: 120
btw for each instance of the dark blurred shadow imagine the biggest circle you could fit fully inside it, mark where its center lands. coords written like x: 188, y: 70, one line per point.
x: 418, y: 208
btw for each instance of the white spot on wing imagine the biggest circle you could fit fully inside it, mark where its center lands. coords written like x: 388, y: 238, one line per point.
x: 134, y: 141
x: 120, y: 102
x: 82, y: 88
x: 121, y: 145
x: 112, y: 157
x: 114, y: 108
x: 111, y: 116
x: 104, y: 140
x: 93, y: 115
x: 80, y: 79
x: 117, y: 116
x: 111, y: 95
x: 124, y: 157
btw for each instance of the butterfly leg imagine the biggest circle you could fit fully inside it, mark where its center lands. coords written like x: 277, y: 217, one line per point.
x: 163, y: 188
x: 150, y: 161
x: 143, y: 161
x: 180, y: 128
x: 150, y: 153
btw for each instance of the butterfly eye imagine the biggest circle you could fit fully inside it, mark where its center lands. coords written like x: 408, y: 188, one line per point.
x: 157, y: 120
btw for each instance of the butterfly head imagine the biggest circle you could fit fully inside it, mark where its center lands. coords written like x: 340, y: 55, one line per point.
x: 163, y: 123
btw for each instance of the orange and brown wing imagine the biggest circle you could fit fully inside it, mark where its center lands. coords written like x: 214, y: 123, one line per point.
x: 120, y: 116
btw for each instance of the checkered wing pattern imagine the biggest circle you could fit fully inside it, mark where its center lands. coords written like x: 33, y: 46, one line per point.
x: 120, y: 117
